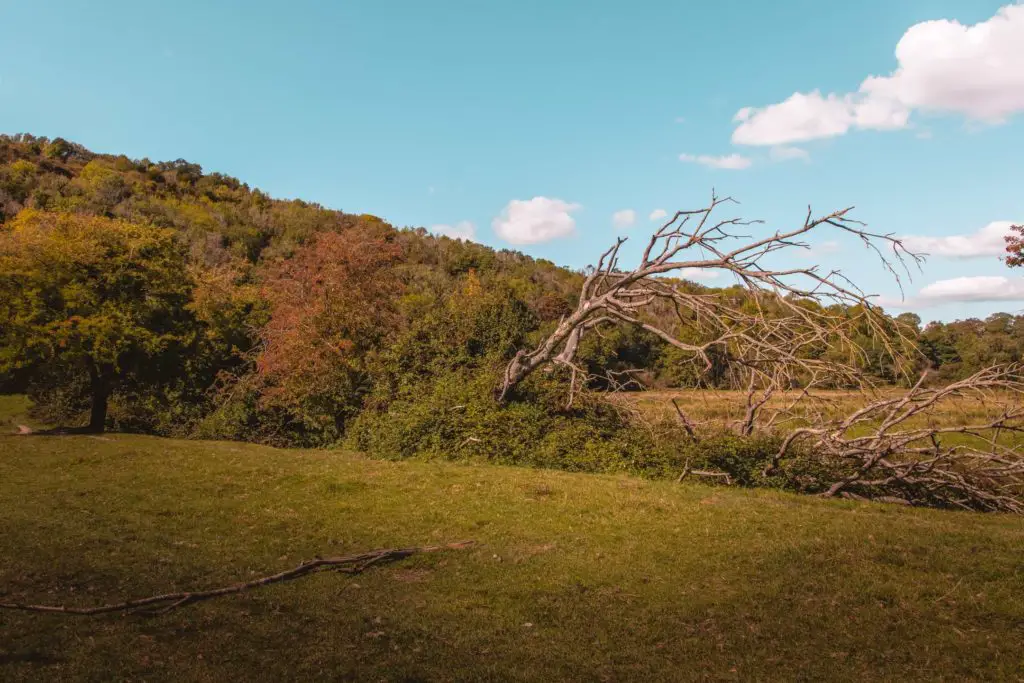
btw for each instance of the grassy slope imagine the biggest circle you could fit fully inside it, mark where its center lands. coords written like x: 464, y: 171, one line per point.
x: 581, y: 577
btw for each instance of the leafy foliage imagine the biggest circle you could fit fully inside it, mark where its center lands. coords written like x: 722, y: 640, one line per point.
x: 331, y: 306
x: 195, y: 305
x: 1015, y: 246
x: 90, y: 296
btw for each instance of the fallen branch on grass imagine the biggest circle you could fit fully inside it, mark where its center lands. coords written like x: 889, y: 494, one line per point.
x: 903, y: 448
x: 703, y: 473
x: 161, y: 604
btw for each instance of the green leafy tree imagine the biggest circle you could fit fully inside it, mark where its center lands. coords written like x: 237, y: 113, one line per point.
x: 59, y: 149
x: 93, y: 298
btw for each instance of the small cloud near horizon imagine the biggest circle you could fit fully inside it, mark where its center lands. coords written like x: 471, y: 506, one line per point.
x: 463, y: 230
x: 987, y: 242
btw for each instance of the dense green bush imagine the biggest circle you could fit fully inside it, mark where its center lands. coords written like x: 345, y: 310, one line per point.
x: 456, y: 416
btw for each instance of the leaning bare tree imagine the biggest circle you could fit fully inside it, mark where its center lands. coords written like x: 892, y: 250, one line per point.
x: 774, y: 330
x: 786, y: 327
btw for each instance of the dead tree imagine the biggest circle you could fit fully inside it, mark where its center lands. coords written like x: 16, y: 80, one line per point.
x: 773, y: 331
x: 786, y: 327
x: 954, y: 446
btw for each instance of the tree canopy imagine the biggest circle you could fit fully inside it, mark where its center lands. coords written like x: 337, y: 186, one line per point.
x: 87, y: 296
x: 246, y: 288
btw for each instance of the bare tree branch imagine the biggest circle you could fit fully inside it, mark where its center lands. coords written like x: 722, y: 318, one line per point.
x: 160, y: 604
x: 774, y: 331
x: 906, y: 447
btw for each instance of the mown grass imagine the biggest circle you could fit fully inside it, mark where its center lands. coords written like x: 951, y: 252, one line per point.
x: 579, y: 577
x: 13, y: 412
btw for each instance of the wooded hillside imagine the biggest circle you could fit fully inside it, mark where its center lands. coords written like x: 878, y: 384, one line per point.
x: 153, y: 297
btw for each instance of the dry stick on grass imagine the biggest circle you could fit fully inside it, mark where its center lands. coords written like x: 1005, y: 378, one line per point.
x: 161, y: 604
x: 703, y: 473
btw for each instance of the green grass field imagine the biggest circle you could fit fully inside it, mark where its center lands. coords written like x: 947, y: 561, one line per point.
x: 578, y: 577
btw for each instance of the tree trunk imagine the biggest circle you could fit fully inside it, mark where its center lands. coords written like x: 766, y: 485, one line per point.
x: 568, y: 331
x: 99, y: 387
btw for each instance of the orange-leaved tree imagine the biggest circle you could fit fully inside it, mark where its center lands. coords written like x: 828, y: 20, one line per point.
x: 332, y: 304
x: 1015, y: 246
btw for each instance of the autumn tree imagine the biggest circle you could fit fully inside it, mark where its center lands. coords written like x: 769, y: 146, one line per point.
x: 84, y: 296
x: 331, y: 306
x: 1015, y: 246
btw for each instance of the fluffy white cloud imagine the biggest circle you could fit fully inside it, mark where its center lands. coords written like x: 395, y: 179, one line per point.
x: 943, y: 66
x: 463, y: 230
x: 783, y: 153
x: 623, y: 219
x: 972, y: 289
x: 731, y: 161
x: 797, y: 119
x: 535, y: 220
x: 699, y: 274
x: 987, y: 242
x: 974, y: 70
x: 658, y: 214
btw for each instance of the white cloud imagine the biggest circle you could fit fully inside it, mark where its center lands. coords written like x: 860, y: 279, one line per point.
x: 463, y: 230
x: 796, y: 119
x: 783, y: 153
x: 974, y: 70
x: 973, y: 289
x: 535, y: 220
x: 731, y: 161
x: 987, y: 242
x: 623, y: 219
x: 658, y: 214
x: 680, y: 119
x: 964, y: 290
x: 698, y: 274
x: 943, y: 66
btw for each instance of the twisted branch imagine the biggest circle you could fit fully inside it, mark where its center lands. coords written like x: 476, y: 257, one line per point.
x: 161, y: 604
x: 897, y: 448
x: 773, y: 332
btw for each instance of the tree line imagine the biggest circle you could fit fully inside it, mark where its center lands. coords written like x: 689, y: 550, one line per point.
x: 154, y: 297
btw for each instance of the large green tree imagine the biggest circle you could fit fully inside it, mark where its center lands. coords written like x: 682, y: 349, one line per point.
x: 90, y: 298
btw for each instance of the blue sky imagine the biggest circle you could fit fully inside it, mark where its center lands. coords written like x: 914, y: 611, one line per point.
x: 536, y: 122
